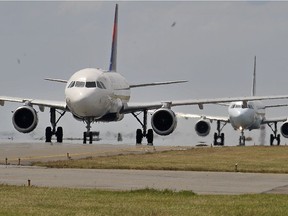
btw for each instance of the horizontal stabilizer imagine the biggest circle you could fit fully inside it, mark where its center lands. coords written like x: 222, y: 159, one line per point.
x: 56, y: 80
x: 157, y: 83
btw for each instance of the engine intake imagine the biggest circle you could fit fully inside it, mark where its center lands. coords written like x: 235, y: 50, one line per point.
x: 202, y: 128
x: 25, y: 119
x: 284, y: 129
x: 163, y: 121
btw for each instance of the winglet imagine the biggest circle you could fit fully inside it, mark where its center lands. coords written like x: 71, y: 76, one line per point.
x: 113, y: 59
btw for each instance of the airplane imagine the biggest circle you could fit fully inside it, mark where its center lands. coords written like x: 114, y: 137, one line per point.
x: 96, y: 95
x: 242, y: 115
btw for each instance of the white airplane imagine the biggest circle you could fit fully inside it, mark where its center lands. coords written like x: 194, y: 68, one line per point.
x: 95, y: 95
x: 242, y: 115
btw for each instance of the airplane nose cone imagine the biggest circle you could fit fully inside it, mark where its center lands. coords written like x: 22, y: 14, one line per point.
x: 243, y: 118
x: 85, y: 105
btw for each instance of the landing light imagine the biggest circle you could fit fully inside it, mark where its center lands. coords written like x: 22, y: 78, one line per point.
x: 240, y: 128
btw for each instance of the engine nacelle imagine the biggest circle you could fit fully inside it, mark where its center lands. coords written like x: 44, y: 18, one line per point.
x: 163, y: 121
x: 25, y: 119
x: 202, y: 128
x: 284, y: 129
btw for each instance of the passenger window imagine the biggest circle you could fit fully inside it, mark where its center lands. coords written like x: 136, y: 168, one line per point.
x: 79, y: 84
x: 90, y: 84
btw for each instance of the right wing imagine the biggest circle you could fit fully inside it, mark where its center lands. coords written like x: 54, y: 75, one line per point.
x: 61, y: 105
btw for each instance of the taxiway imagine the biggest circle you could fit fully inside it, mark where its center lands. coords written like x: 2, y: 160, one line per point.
x: 198, y: 182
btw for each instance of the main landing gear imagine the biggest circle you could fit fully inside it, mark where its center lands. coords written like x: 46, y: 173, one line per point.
x: 50, y: 131
x: 274, y: 136
x: 143, y: 133
x: 219, y: 137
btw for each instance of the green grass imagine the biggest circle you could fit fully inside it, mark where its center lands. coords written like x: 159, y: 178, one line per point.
x: 248, y: 159
x: 22, y: 200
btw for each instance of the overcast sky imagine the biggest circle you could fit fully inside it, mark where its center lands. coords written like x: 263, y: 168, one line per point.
x: 211, y: 44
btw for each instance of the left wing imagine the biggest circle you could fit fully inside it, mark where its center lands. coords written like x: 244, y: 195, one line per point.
x: 211, y: 118
x: 134, y: 107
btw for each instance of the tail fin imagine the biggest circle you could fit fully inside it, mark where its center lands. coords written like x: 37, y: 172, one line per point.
x: 113, y: 59
x: 254, y: 79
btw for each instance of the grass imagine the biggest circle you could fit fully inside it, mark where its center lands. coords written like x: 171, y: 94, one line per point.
x: 21, y: 200
x: 264, y: 159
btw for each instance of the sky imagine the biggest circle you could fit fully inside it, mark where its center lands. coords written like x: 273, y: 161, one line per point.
x: 211, y: 44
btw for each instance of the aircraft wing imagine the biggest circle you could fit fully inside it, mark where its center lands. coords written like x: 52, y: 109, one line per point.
x: 212, y: 118
x: 41, y: 103
x: 272, y: 120
x: 135, y: 107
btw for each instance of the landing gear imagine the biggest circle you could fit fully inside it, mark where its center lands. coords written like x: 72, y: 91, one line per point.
x: 274, y: 136
x: 88, y: 134
x: 143, y: 133
x: 242, y: 139
x: 50, y: 131
x: 219, y: 137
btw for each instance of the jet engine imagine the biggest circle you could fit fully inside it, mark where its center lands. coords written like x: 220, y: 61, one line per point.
x: 284, y: 129
x: 202, y: 128
x: 25, y: 119
x: 164, y: 121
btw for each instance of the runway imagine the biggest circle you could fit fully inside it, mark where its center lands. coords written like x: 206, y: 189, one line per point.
x: 198, y: 182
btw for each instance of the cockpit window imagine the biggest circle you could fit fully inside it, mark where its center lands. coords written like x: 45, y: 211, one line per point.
x: 100, y: 85
x: 71, y: 84
x: 79, y: 84
x: 90, y: 85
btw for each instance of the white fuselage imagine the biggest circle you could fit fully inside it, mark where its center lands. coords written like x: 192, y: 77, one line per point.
x: 246, y: 117
x: 95, y: 94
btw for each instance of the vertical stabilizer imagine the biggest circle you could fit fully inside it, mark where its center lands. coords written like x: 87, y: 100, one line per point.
x: 254, y: 79
x: 113, y: 59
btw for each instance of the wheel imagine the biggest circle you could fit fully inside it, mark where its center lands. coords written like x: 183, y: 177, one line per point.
x: 59, y: 134
x: 222, y: 139
x: 150, y: 137
x: 215, y: 139
x: 278, y: 139
x: 271, y: 139
x: 139, y: 136
x: 84, y: 137
x: 90, y: 137
x: 242, y: 140
x: 48, y: 134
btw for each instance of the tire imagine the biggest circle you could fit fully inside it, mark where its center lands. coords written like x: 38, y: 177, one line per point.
x: 139, y: 136
x: 150, y: 137
x: 84, y: 137
x: 222, y: 139
x: 215, y: 139
x: 271, y: 139
x: 278, y: 139
x: 48, y: 134
x: 90, y: 137
x: 59, y: 134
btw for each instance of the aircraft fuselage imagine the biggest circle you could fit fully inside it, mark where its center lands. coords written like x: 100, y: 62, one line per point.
x: 248, y: 116
x: 93, y: 93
